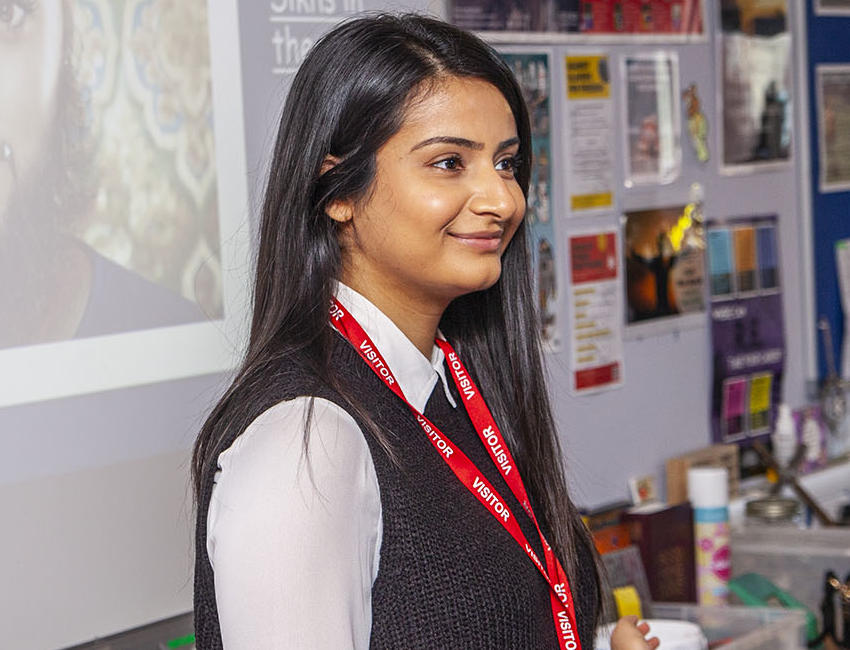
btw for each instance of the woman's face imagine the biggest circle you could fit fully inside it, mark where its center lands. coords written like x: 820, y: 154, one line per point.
x: 30, y: 60
x: 445, y: 201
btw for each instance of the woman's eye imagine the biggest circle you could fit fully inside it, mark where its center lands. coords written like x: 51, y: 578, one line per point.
x: 452, y: 163
x: 14, y: 13
x: 509, y: 164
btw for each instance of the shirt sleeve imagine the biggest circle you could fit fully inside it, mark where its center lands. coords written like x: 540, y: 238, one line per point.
x: 294, y: 538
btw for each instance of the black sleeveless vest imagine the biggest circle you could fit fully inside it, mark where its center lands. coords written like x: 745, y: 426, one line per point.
x: 449, y: 575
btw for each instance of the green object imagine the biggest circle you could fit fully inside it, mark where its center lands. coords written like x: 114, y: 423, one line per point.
x: 755, y: 590
x: 189, y: 639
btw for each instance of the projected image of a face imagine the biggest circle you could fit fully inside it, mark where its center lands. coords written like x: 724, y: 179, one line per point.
x: 108, y: 208
x: 30, y: 43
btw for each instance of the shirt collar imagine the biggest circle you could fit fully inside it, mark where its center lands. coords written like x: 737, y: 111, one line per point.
x: 415, y: 374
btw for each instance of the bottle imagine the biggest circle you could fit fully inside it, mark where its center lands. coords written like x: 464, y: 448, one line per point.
x: 784, y: 437
x: 810, y: 435
x: 708, y: 492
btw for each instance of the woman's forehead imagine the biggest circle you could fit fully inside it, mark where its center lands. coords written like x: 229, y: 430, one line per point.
x: 459, y: 102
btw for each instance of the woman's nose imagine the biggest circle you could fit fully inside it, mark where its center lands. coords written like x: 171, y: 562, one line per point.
x: 492, y: 193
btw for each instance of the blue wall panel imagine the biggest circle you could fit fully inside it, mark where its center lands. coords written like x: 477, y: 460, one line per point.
x: 828, y: 41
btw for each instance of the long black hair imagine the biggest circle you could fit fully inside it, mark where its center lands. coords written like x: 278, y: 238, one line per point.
x: 347, y: 99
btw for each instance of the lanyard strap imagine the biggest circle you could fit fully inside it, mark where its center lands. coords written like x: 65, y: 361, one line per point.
x: 490, y: 435
x: 560, y: 594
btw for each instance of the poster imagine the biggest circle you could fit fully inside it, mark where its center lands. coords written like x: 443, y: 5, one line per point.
x: 833, y: 105
x: 532, y: 72
x: 652, y: 121
x: 547, y: 17
x: 746, y: 327
x: 590, y: 133
x: 665, y: 259
x: 596, y: 339
x: 755, y: 84
x: 832, y: 7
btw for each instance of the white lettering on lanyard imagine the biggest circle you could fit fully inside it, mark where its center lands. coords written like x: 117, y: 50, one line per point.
x: 498, y: 451
x: 462, y: 379
x: 491, y: 498
x: 567, y: 633
x: 562, y: 592
x: 441, y: 444
x: 534, y: 557
x: 336, y: 312
x: 375, y: 360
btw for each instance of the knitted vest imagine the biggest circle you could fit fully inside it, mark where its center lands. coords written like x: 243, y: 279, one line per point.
x: 449, y: 575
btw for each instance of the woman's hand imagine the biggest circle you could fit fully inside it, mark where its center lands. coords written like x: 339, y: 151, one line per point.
x: 628, y: 635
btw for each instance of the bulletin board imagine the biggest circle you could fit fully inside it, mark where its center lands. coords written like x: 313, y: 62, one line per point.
x: 743, y: 163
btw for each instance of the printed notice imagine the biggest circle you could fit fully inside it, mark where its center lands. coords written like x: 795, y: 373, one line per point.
x: 532, y: 71
x: 652, y: 118
x: 590, y: 168
x: 748, y: 343
x: 596, y: 313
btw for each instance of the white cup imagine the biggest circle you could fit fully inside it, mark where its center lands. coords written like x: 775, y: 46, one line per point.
x: 674, y: 635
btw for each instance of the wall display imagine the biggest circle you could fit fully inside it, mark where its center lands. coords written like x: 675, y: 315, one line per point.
x: 609, y: 17
x: 754, y: 64
x: 832, y: 7
x: 664, y: 258
x: 697, y: 123
x: 746, y: 326
x: 833, y: 106
x: 651, y: 118
x: 532, y: 72
x: 112, y: 223
x: 590, y: 133
x: 596, y: 338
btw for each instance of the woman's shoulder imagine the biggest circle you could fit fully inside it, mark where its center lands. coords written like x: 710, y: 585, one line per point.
x: 280, y: 430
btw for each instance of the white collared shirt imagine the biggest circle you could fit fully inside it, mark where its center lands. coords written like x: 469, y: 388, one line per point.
x: 295, y: 551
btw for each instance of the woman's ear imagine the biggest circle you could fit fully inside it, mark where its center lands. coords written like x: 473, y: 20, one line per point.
x: 340, y: 211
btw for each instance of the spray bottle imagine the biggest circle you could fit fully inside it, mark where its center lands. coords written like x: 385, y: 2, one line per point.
x: 784, y: 437
x: 708, y: 491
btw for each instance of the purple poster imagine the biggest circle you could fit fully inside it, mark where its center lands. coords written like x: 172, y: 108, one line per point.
x: 747, y: 333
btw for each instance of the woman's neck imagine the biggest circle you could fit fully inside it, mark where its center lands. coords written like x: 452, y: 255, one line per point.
x: 416, y: 316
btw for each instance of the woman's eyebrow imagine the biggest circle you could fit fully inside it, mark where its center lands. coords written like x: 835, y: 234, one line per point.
x: 510, y: 142
x: 463, y: 142
x: 447, y: 139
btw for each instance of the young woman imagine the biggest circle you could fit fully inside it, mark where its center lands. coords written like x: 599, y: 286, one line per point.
x: 384, y: 470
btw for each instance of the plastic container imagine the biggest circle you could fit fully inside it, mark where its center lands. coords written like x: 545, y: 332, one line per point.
x: 741, y: 628
x: 673, y: 634
x: 708, y: 492
x: 794, y: 560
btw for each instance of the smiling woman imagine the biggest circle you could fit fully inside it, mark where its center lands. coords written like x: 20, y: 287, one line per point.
x: 444, y: 207
x: 387, y: 450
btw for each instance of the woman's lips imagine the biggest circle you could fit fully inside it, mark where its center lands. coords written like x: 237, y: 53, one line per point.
x: 484, y: 240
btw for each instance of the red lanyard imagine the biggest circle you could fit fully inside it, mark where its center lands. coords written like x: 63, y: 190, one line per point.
x: 560, y: 594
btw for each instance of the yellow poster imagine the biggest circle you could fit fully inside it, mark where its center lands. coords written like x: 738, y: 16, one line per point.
x: 587, y: 77
x: 590, y: 125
